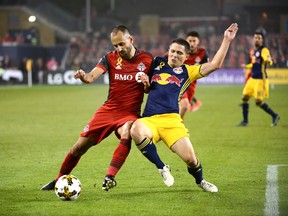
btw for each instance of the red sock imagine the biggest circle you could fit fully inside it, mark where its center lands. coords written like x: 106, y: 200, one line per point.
x: 68, y: 165
x: 119, y: 157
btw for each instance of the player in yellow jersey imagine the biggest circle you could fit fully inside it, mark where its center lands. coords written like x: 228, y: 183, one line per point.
x: 257, y: 85
x: 161, y: 119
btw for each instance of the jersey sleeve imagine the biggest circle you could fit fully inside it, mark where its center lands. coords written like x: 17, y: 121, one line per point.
x: 265, y: 54
x: 103, y: 63
x: 151, y: 69
x: 249, y: 66
x: 194, y: 72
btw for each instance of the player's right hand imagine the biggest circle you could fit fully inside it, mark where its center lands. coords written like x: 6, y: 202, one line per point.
x: 145, y: 80
x: 79, y: 74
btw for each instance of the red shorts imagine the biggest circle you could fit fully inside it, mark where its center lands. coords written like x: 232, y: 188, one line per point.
x: 105, y: 121
x: 189, y: 94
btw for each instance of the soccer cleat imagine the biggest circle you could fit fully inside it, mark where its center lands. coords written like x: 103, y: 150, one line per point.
x: 49, y: 186
x: 166, y: 175
x: 208, y: 187
x: 242, y: 124
x: 195, y: 106
x: 275, y: 120
x: 109, y: 183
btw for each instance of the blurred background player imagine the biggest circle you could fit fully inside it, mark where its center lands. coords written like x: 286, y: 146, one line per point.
x: 197, y: 55
x: 120, y: 110
x: 257, y: 84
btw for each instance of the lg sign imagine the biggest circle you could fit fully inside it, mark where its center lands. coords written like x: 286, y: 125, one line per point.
x: 62, y: 78
x: 66, y: 78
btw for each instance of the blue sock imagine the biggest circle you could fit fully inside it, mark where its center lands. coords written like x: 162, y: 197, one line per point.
x: 267, y: 109
x: 196, y: 172
x: 148, y: 149
x: 245, y: 110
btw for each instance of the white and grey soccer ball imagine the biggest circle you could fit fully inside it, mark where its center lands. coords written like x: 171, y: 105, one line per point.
x: 68, y: 187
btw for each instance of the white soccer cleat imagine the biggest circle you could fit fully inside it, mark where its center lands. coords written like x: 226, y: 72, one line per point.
x: 207, y: 186
x: 166, y: 175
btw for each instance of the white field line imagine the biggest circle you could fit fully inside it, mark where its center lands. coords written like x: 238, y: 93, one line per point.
x: 272, y: 194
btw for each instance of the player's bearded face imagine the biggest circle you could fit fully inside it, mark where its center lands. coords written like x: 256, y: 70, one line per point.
x: 123, y: 44
x: 193, y: 42
x: 125, y: 52
x: 258, y: 40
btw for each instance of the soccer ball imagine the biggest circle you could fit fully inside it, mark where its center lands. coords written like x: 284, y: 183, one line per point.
x: 68, y: 187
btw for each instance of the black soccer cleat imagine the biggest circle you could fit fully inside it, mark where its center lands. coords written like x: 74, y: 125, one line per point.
x: 242, y: 124
x: 49, y: 186
x: 275, y: 120
x: 109, y: 183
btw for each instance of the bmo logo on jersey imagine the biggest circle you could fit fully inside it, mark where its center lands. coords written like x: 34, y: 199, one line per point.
x: 126, y: 77
x: 141, y: 67
x: 123, y: 77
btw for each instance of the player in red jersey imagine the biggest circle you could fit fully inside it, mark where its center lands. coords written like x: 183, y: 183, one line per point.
x: 248, y: 71
x: 125, y: 65
x: 196, y: 56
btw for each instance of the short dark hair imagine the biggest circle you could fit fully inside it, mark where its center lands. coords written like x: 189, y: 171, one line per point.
x: 193, y: 34
x: 121, y: 28
x: 262, y: 34
x: 259, y: 33
x: 182, y: 42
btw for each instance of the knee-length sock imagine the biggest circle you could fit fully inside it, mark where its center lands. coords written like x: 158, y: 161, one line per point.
x: 68, y: 165
x: 245, y: 111
x: 196, y: 172
x: 148, y: 149
x: 119, y: 156
x: 267, y: 109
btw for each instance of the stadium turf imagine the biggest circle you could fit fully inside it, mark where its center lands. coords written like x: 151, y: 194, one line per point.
x: 38, y: 125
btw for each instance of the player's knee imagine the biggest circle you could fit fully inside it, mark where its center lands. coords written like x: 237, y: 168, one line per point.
x: 124, y: 130
x: 125, y: 133
x: 191, y: 160
x: 135, y: 130
x: 245, y: 99
x: 80, y: 148
x: 258, y: 103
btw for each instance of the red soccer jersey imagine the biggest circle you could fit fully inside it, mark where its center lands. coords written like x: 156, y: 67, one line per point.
x: 126, y: 90
x: 197, y: 58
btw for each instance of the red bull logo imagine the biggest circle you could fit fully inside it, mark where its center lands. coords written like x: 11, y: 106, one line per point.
x: 165, y: 78
x: 156, y: 78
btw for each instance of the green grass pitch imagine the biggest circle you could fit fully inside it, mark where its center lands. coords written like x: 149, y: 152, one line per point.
x: 39, y: 125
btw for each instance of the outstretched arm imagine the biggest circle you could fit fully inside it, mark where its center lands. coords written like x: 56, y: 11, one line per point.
x: 219, y: 57
x: 88, y: 77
